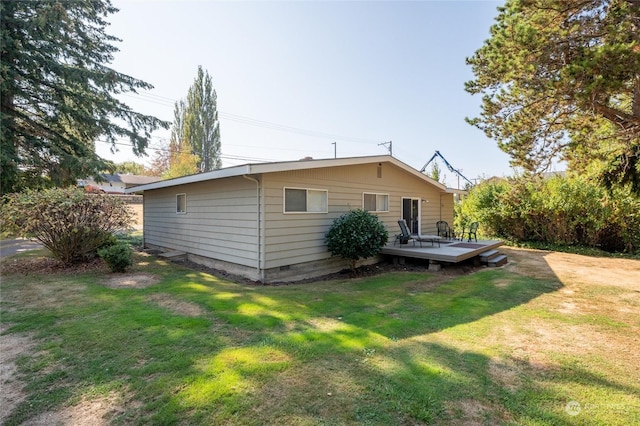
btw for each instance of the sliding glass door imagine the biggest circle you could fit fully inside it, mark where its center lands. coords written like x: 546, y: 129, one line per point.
x: 411, y: 213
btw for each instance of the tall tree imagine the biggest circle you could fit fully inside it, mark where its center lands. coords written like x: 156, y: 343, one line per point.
x: 178, y: 144
x: 196, y: 129
x: 436, y: 172
x: 561, y: 79
x: 183, y: 163
x: 57, y: 92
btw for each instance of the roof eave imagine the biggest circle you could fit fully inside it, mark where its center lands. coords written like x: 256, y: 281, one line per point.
x: 261, y: 168
x: 215, y: 174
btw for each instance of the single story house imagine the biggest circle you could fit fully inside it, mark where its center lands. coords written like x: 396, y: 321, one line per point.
x: 116, y: 183
x: 267, y: 222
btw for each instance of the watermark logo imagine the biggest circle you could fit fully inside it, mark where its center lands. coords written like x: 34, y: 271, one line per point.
x: 573, y: 408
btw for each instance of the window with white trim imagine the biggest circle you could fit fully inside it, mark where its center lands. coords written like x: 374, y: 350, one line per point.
x: 302, y: 200
x: 372, y: 202
x: 181, y: 203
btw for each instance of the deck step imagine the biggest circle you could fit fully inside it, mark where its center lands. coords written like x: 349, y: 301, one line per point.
x: 174, y: 255
x: 488, y: 255
x: 498, y: 261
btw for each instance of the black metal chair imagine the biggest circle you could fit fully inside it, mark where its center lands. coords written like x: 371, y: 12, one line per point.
x: 473, y: 228
x: 443, y: 229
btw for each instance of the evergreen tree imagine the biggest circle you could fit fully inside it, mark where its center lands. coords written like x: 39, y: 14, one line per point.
x: 561, y: 78
x: 196, y: 129
x: 56, y: 92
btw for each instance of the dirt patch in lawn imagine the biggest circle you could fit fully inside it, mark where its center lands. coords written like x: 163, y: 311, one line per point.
x: 88, y: 412
x: 473, y: 411
x: 176, y: 306
x: 590, y: 285
x: 133, y: 280
x: 11, y: 347
x: 573, y: 268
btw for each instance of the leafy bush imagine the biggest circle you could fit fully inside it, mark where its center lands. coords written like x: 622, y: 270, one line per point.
x: 624, y: 221
x: 483, y: 205
x: 117, y: 256
x: 356, y: 235
x: 69, y: 222
x: 110, y: 240
x: 560, y: 210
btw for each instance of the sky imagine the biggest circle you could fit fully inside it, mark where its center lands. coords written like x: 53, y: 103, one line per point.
x: 316, y: 79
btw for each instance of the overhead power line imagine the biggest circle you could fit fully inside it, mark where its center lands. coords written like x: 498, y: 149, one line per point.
x: 162, y: 100
x: 224, y: 156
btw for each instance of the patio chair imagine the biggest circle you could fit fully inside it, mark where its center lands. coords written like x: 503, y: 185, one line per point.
x: 443, y: 229
x: 473, y: 228
x: 407, y: 236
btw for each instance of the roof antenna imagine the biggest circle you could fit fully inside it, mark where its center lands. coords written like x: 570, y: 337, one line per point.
x: 389, y: 146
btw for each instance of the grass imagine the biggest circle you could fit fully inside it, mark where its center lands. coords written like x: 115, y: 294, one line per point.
x: 403, y: 348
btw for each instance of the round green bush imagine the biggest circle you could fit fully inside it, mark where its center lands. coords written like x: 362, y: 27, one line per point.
x: 117, y: 256
x: 356, y: 235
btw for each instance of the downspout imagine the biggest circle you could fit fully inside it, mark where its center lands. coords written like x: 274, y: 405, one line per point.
x: 144, y: 214
x: 259, y: 269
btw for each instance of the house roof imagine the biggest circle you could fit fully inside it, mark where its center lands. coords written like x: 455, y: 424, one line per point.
x: 127, y: 179
x: 130, y: 179
x: 261, y: 168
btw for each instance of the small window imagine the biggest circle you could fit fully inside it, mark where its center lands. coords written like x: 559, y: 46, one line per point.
x: 298, y: 200
x: 375, y: 202
x: 181, y: 203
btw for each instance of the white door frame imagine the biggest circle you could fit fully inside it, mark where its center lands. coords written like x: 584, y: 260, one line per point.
x: 415, y: 201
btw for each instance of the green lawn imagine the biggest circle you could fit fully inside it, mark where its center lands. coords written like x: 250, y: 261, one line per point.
x: 403, y: 348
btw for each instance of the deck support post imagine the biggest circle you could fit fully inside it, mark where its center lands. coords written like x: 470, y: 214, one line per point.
x: 434, y: 266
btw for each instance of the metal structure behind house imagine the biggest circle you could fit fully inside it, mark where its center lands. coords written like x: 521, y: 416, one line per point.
x: 449, y: 166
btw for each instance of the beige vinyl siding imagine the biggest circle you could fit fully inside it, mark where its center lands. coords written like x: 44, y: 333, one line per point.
x: 296, y: 238
x: 220, y: 223
x: 447, y: 209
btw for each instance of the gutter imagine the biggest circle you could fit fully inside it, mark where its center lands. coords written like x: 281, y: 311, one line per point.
x: 260, y: 254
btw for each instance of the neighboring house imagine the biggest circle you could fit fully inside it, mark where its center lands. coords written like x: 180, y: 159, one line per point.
x: 267, y: 222
x: 115, y: 184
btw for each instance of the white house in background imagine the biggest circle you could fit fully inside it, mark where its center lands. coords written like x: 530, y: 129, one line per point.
x: 267, y: 222
x: 115, y: 184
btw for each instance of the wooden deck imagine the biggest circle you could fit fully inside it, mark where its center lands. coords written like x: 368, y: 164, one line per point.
x: 452, y: 251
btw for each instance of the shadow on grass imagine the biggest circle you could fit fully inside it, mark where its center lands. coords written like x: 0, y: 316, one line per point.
x: 395, y: 306
x: 341, y: 353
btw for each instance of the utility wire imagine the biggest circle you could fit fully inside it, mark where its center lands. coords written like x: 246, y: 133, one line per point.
x: 225, y: 156
x: 162, y: 100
